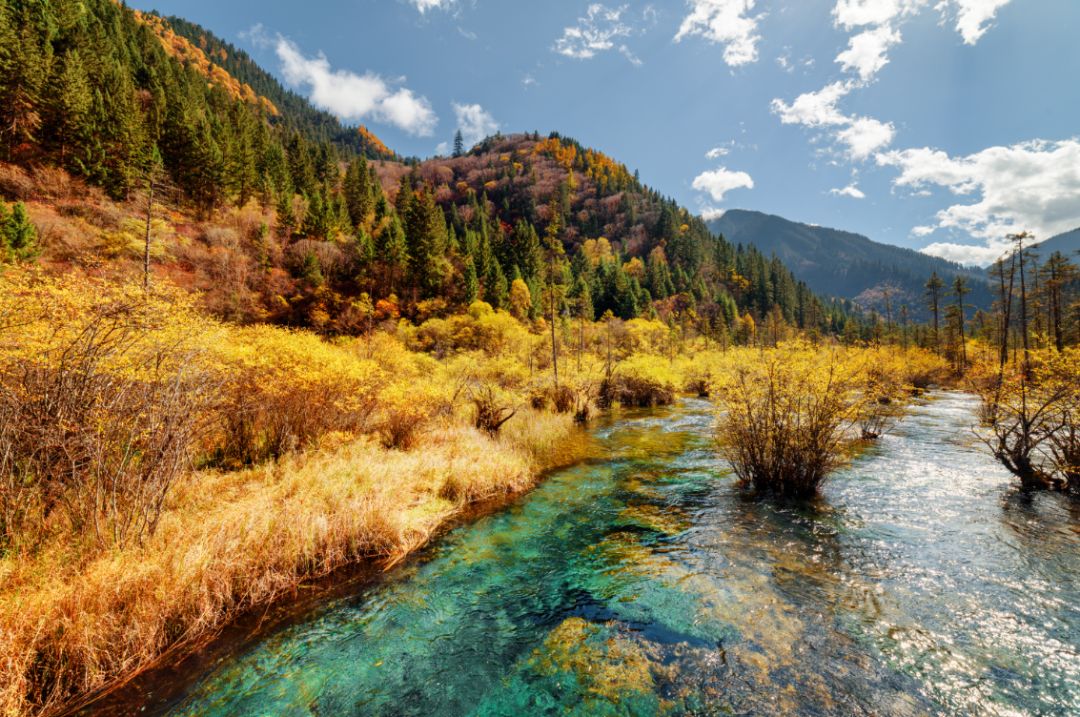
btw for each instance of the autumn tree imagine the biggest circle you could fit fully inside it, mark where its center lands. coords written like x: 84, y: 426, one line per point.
x: 933, y: 301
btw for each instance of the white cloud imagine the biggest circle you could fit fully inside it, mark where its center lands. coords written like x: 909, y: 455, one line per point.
x: 862, y: 135
x: 720, y: 182
x: 973, y: 16
x: 716, y: 152
x: 425, y: 5
x: 475, y: 123
x: 443, y: 149
x: 351, y: 96
x: 1032, y: 186
x: 726, y: 22
x: 528, y: 80
x: 865, y: 136
x: 593, y: 33
x: 467, y: 34
x: 856, y: 13
x: 815, y: 109
x: 866, y: 51
x: 709, y: 213
x: 848, y: 191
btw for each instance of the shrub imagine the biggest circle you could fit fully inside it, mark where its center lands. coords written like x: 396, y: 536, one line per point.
x: 493, y: 409
x: 407, y: 410
x: 285, y: 389
x: 1030, y: 412
x: 104, y: 397
x: 641, y: 381
x: 786, y: 419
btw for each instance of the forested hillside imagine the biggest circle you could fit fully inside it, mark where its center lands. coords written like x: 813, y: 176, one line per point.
x: 846, y: 264
x: 277, y: 214
x: 109, y: 94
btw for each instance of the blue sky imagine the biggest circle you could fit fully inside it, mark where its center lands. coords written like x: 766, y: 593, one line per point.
x: 939, y: 125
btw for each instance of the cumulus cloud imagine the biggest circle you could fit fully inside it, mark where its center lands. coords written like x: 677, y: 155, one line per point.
x: 716, y: 152
x: 720, y: 182
x: 1032, y: 186
x: 862, y: 135
x: 348, y: 95
x: 594, y: 33
x: 725, y: 22
x: 857, y: 13
x: 973, y: 16
x: 475, y: 123
x: 849, y: 191
x: 815, y: 109
x: 866, y: 51
x: 866, y: 135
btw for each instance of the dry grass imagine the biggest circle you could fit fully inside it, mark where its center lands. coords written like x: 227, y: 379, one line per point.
x: 69, y: 625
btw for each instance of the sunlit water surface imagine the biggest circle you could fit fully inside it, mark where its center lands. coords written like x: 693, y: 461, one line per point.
x: 645, y: 582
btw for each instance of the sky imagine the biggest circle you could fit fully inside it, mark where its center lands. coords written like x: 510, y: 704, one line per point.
x: 938, y: 125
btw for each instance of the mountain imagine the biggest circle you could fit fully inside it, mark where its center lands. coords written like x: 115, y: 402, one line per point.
x: 1067, y: 243
x: 317, y: 125
x: 846, y: 264
x: 275, y: 213
x: 105, y: 92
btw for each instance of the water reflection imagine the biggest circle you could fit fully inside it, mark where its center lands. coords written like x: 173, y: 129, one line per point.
x: 648, y: 583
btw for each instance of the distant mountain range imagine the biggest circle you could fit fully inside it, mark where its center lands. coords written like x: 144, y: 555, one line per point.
x: 1067, y: 243
x: 849, y: 265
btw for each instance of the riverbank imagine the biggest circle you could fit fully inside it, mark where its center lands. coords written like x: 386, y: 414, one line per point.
x: 229, y: 541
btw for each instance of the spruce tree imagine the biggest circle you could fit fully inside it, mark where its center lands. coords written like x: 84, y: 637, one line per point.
x: 425, y: 232
x: 393, y: 251
x: 472, y: 283
x: 69, y: 104
x: 459, y: 144
x: 20, y: 236
x: 24, y: 69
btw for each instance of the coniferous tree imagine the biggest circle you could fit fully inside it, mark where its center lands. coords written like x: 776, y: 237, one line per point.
x: 933, y: 301
x: 425, y: 232
x: 20, y: 239
x: 472, y: 283
x: 25, y: 60
x: 69, y: 105
x: 459, y: 144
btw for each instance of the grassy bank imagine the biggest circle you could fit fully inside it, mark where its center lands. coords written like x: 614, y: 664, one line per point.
x: 71, y: 623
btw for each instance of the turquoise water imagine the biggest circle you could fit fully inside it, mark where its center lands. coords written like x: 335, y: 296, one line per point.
x: 645, y: 582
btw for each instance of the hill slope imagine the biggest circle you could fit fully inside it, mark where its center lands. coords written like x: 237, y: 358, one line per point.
x: 278, y: 216
x: 1067, y: 243
x: 845, y: 264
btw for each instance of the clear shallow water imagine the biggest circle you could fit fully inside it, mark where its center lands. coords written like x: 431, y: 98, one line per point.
x: 646, y: 583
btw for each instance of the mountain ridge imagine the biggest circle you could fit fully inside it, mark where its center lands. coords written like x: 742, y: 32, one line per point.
x: 845, y: 264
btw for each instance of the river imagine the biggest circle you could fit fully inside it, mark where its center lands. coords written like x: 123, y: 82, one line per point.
x: 644, y: 581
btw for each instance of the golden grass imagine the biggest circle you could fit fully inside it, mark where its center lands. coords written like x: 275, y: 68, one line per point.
x: 70, y: 626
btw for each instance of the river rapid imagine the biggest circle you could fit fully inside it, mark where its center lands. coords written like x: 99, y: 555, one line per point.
x: 644, y: 581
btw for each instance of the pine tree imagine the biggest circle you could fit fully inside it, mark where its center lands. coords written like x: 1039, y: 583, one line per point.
x: 933, y: 301
x: 472, y: 284
x: 24, y: 68
x: 243, y: 173
x: 498, y: 293
x: 357, y: 189
x: 459, y: 144
x: 69, y: 104
x: 425, y: 232
x: 393, y: 251
x: 20, y: 237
